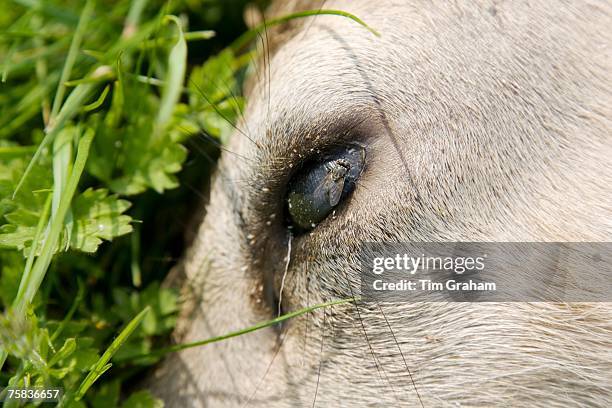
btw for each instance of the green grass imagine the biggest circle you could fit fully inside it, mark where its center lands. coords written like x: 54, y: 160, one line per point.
x: 102, y: 110
x: 97, y: 115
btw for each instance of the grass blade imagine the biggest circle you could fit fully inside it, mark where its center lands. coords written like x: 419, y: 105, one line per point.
x: 62, y: 167
x: 32, y: 282
x: 71, y: 58
x: 8, y: 152
x: 52, y: 10
x: 98, y: 102
x: 133, y: 17
x: 258, y: 326
x: 103, y: 363
x: 173, y: 84
x: 74, y: 102
x: 245, y: 38
x: 34, y: 247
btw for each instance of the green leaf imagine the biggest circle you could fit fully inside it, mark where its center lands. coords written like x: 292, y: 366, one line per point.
x: 162, y: 301
x: 19, y: 215
x: 219, y: 122
x: 213, y: 94
x: 128, y: 155
x: 94, y: 222
x: 135, y: 347
x: 98, y: 216
x: 16, y: 235
x: 214, y: 81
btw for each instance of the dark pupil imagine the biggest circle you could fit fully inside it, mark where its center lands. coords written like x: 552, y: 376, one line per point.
x: 321, y: 186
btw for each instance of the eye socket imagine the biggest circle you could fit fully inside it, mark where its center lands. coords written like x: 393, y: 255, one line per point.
x: 320, y: 186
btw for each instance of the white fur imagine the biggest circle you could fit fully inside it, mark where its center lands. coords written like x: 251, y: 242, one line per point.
x: 502, y: 113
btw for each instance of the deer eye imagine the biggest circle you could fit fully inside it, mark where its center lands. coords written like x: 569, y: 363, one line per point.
x: 321, y: 185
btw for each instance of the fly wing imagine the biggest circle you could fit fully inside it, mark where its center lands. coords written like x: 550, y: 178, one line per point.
x: 335, y: 191
x: 324, y: 185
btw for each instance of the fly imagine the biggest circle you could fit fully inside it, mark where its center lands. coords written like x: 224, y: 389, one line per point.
x: 333, y: 183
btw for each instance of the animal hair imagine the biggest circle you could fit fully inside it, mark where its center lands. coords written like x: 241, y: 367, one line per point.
x: 481, y: 122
